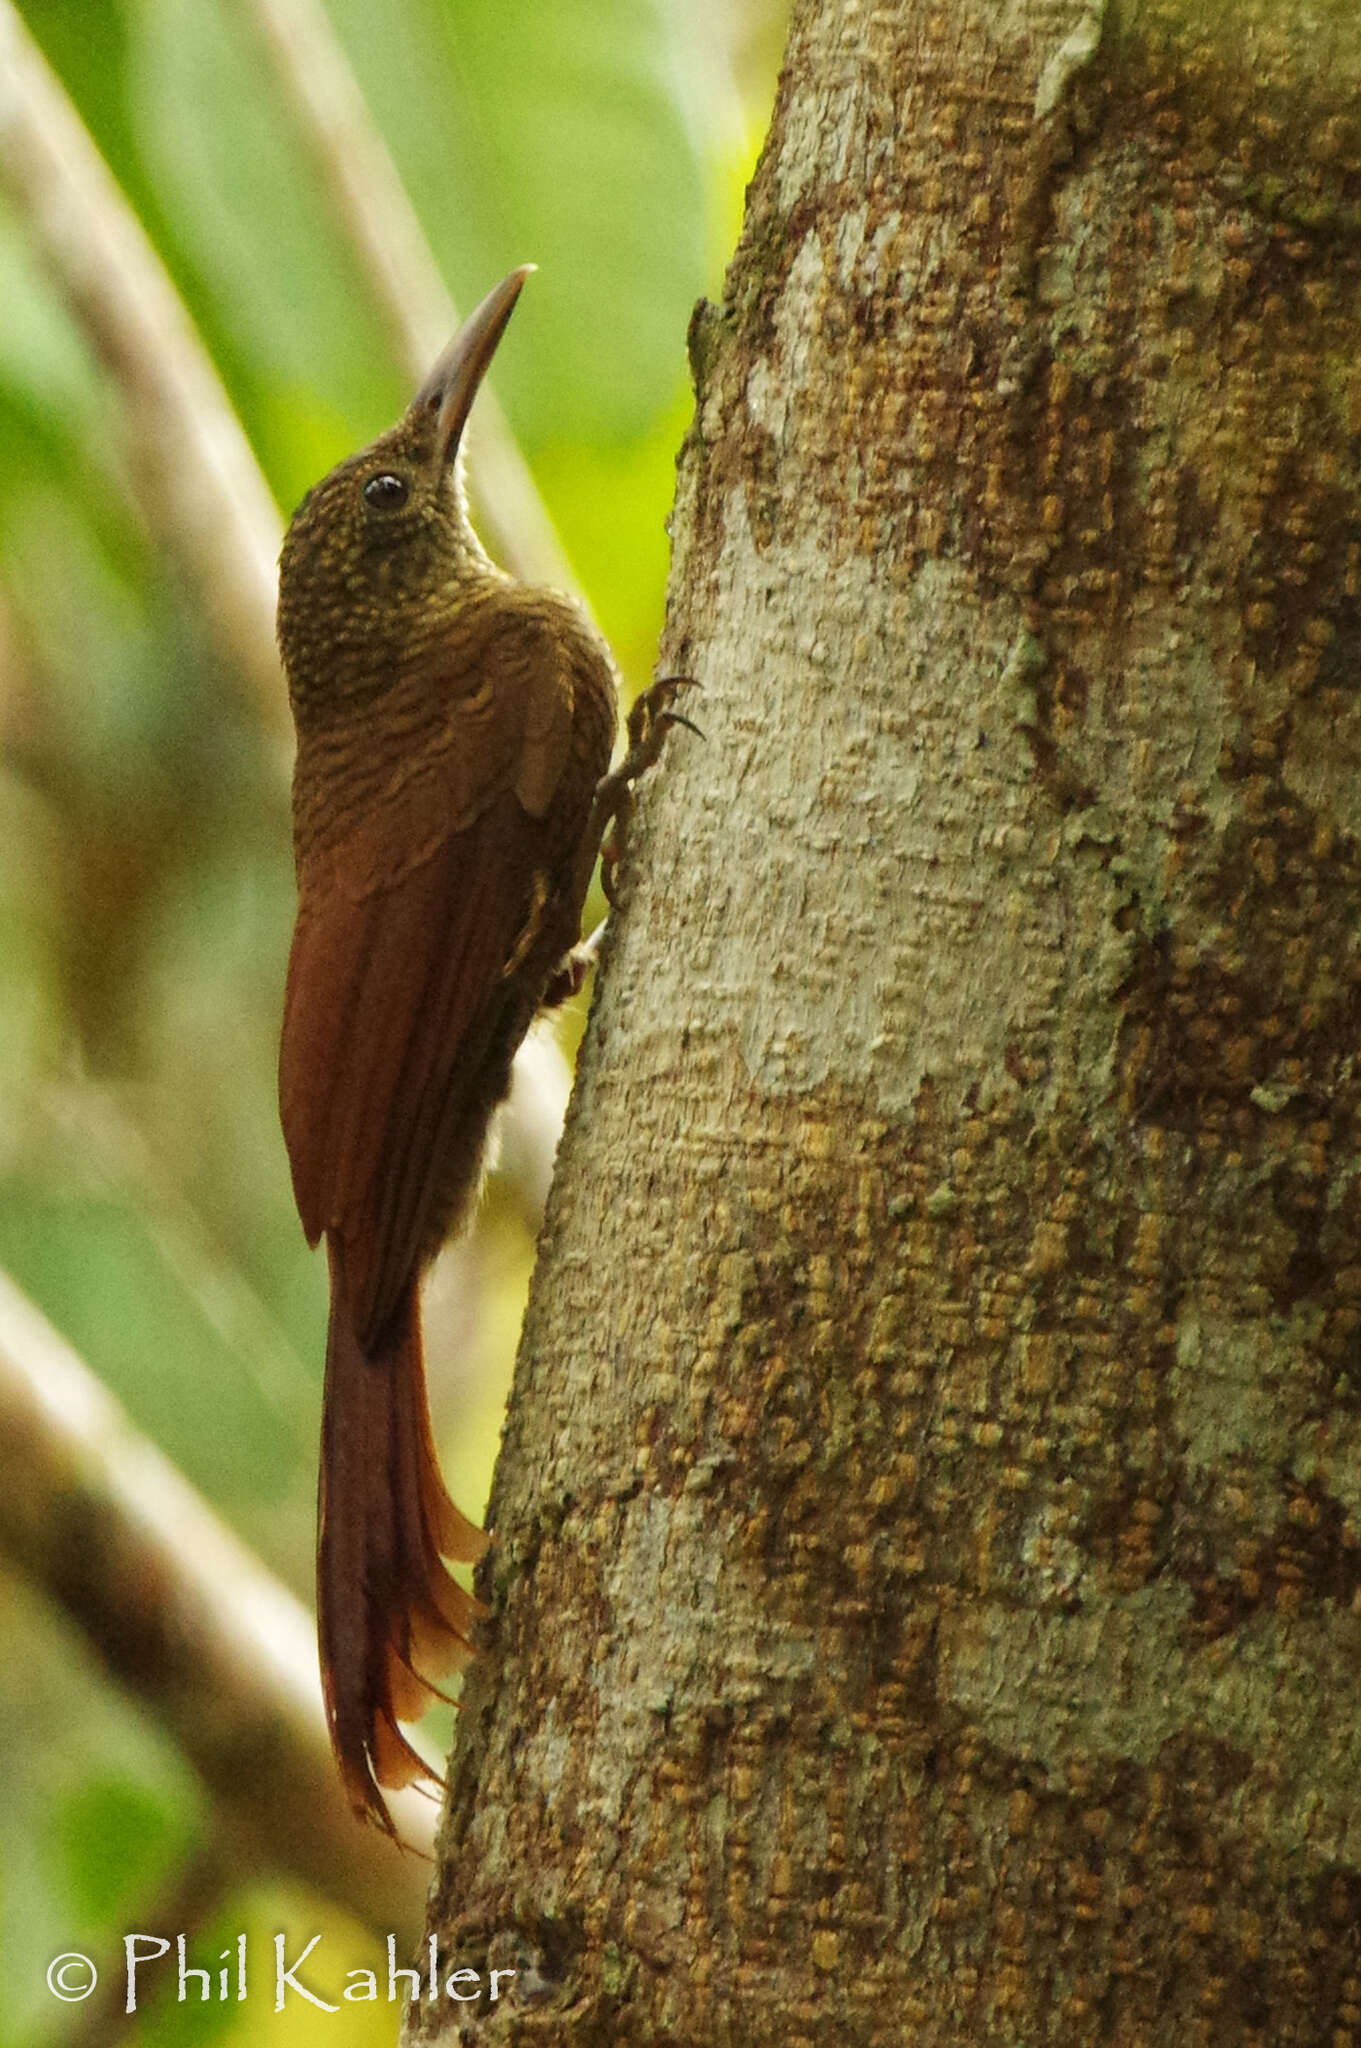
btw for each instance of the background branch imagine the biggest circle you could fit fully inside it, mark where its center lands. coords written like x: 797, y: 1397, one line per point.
x: 189, y: 1621
x: 197, y: 482
x: 373, y: 209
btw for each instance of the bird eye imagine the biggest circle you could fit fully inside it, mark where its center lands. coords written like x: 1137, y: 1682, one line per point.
x: 386, y: 492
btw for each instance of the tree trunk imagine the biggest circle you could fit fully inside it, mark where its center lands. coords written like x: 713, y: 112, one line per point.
x: 927, y: 1571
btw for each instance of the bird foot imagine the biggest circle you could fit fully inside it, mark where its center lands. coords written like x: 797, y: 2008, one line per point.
x: 569, y: 978
x: 650, y: 720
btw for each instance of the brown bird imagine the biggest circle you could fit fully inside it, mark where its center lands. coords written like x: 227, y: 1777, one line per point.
x: 453, y: 731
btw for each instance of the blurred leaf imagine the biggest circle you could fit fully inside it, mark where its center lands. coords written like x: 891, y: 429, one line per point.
x: 77, y: 1759
x: 553, y: 131
x: 41, y: 357
x: 261, y: 1915
x: 109, y: 1840
x: 31, y: 1005
x: 156, y: 1347
x: 286, y: 308
x: 613, y: 498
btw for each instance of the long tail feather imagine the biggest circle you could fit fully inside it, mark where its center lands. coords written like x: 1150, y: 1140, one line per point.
x: 391, y: 1618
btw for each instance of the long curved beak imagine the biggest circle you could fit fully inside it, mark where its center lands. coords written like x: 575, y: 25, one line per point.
x: 452, y: 384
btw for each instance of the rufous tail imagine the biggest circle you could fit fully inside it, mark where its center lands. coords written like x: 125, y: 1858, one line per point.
x: 391, y: 1618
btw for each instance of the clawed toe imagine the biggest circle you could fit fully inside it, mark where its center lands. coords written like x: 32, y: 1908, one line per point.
x: 569, y: 978
x: 649, y: 721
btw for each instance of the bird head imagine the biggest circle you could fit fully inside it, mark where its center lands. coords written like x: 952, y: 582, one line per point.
x: 381, y: 545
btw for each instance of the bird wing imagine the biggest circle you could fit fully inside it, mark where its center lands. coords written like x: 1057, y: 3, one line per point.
x: 401, y: 1013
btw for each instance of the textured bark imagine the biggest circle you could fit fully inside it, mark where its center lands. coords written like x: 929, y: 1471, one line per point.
x: 927, y: 1572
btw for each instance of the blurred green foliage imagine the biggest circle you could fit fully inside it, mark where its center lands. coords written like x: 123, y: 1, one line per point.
x: 145, y: 882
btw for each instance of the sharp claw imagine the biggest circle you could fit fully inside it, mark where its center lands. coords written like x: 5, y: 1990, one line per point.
x: 649, y: 721
x: 569, y: 977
